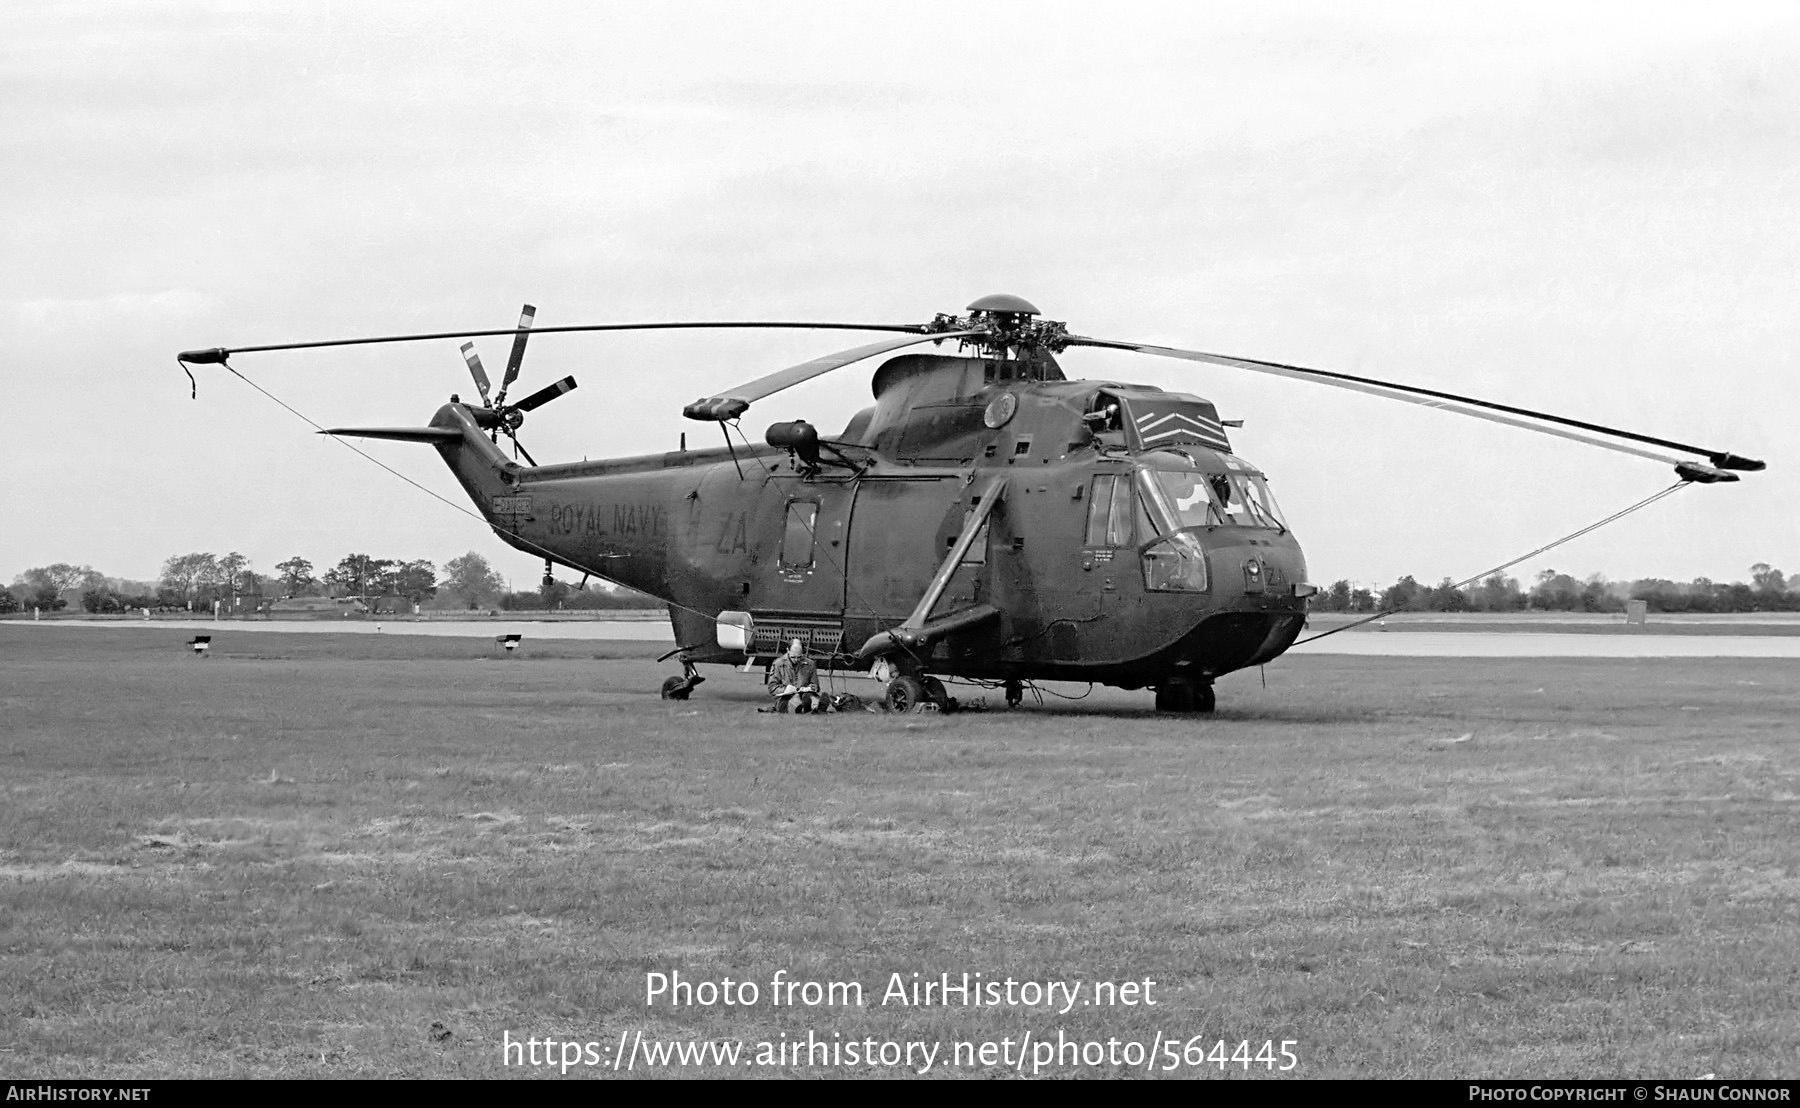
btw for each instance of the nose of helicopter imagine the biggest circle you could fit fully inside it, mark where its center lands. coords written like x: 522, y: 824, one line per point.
x: 1246, y: 607
x: 1259, y: 573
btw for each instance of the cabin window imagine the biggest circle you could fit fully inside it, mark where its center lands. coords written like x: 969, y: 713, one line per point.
x: 797, y: 536
x: 1099, y: 508
x: 1114, y: 512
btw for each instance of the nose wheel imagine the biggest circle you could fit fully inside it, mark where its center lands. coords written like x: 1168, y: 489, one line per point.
x: 1185, y: 697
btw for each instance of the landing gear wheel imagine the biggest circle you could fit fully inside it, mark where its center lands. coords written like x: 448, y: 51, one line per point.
x: 678, y: 688
x: 1015, y: 694
x: 1204, y: 699
x: 936, y: 693
x: 1177, y: 696
x: 906, y: 694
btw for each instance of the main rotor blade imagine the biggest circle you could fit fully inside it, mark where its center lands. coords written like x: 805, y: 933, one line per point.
x: 215, y: 355
x: 731, y: 404
x: 513, y: 361
x: 545, y: 395
x: 475, y: 371
x: 1444, y: 401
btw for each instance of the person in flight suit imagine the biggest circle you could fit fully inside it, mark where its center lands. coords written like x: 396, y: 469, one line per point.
x: 794, y: 681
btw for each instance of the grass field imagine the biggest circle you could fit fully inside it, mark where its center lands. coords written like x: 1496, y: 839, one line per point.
x: 320, y: 855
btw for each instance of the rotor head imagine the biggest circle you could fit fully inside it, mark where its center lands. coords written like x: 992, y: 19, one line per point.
x: 1004, y: 302
x: 1008, y: 326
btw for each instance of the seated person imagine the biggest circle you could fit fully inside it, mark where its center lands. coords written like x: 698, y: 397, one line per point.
x: 1190, y: 499
x: 794, y: 681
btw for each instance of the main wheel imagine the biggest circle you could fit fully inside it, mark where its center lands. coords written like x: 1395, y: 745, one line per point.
x: 1176, y: 696
x: 676, y: 688
x: 936, y: 692
x: 906, y: 694
x: 1204, y: 699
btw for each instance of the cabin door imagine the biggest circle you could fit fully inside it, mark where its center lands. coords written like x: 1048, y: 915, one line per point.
x: 812, y: 553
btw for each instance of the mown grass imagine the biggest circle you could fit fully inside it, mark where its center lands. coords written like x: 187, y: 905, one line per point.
x: 296, y: 856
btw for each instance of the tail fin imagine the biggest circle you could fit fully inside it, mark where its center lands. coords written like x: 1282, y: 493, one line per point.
x: 484, y: 472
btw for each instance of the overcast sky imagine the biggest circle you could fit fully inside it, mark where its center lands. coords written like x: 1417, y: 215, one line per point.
x: 1589, y: 209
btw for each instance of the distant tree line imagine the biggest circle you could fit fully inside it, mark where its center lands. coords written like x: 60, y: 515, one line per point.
x: 199, y: 580
x: 1767, y: 591
x: 45, y: 586
x: 195, y: 581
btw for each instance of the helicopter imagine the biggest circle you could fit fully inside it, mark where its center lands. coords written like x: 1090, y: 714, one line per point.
x: 987, y: 519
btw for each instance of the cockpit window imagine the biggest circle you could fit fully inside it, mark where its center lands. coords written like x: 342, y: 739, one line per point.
x: 1190, y: 495
x: 1193, y: 497
x: 1254, y: 492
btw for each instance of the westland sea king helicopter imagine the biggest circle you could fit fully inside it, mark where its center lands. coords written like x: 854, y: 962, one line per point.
x: 987, y: 519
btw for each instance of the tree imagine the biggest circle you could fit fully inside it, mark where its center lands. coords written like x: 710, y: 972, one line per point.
x: 1659, y: 595
x: 232, y: 568
x: 1703, y: 595
x: 1771, y: 588
x: 44, y: 584
x: 1336, y: 598
x: 185, y: 575
x: 471, y: 578
x: 417, y: 581
x: 1497, y: 593
x: 1401, y: 595
x: 1556, y: 592
x: 1597, y: 595
x: 1736, y: 597
x: 297, y: 576
x: 102, y: 600
x: 46, y: 598
x: 358, y: 575
x: 1446, y: 597
x: 8, y: 602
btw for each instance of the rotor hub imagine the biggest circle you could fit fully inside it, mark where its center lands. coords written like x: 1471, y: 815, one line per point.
x: 1008, y: 326
x: 1004, y: 303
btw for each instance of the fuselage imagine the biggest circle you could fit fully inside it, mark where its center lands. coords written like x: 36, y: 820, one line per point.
x: 1126, y: 544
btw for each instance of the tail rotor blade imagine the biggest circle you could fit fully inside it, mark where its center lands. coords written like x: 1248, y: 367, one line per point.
x: 528, y: 314
x: 545, y: 395
x: 475, y: 371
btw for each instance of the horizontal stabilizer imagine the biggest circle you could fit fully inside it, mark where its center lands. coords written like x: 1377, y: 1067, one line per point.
x: 399, y: 434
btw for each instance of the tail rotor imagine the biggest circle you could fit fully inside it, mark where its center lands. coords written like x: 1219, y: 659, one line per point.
x: 502, y: 416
